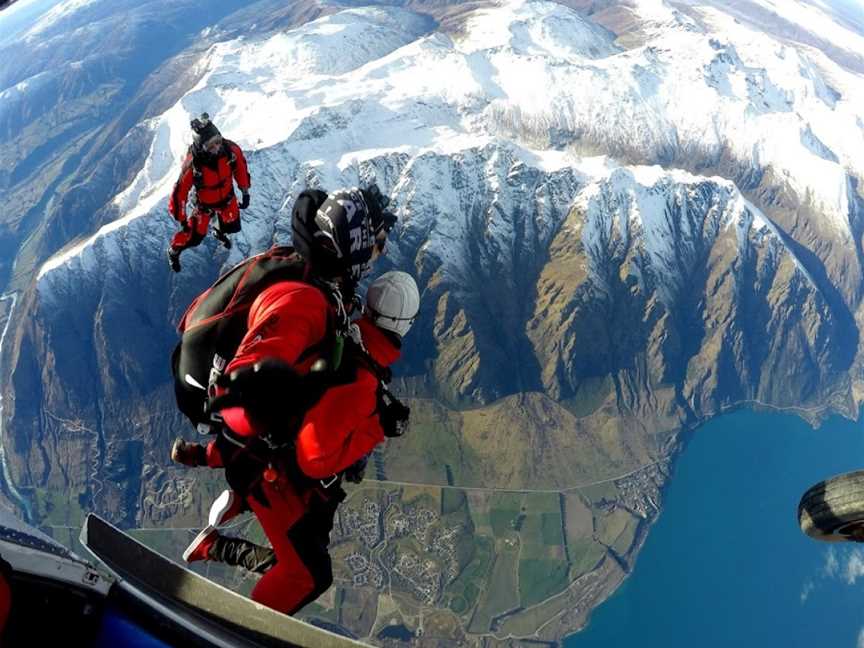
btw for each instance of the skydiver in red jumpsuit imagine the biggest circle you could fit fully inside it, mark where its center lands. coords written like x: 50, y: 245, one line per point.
x: 212, y: 166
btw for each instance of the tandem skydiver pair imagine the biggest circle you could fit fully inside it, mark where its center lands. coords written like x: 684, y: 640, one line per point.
x: 288, y: 370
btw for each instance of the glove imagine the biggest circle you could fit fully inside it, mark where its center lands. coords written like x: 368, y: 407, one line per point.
x: 271, y: 391
x: 393, y: 415
x: 356, y: 471
x: 264, y: 390
x: 244, y: 202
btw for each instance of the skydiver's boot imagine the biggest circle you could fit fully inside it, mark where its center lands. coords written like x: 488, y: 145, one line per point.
x: 199, y: 548
x: 174, y: 259
x: 188, y: 453
x: 238, y: 552
x: 220, y: 236
x: 227, y: 506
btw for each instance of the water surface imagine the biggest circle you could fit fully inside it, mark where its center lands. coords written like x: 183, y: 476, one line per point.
x: 726, y: 563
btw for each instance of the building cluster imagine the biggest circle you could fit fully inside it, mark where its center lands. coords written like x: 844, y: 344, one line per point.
x: 401, y: 546
x: 640, y: 492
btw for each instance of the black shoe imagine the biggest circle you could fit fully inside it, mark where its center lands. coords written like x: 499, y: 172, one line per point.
x: 174, y: 259
x: 222, y: 238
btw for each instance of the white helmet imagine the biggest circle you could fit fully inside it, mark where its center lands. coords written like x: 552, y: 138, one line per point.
x: 393, y: 301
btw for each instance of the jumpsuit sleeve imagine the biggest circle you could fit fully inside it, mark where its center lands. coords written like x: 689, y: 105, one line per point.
x: 180, y: 192
x: 340, y: 428
x: 241, y: 169
x: 285, y: 320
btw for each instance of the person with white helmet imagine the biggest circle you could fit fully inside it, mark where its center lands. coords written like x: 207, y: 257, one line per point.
x: 393, y: 302
x: 336, y: 435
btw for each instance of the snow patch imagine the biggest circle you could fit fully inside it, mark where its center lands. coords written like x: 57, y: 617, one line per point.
x: 816, y: 19
x: 536, y: 29
x: 657, y: 11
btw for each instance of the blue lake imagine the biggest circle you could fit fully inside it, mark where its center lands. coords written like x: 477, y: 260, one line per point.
x: 726, y: 563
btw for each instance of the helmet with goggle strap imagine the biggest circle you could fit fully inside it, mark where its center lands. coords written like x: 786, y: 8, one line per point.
x: 348, y: 224
x: 207, y: 138
x: 393, y: 302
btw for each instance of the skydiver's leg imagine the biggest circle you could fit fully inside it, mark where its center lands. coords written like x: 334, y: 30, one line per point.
x: 216, y: 453
x: 311, y: 537
x: 229, y: 223
x: 229, y: 218
x: 191, y: 235
x: 288, y: 585
x: 193, y: 454
x: 193, y: 232
x: 209, y: 544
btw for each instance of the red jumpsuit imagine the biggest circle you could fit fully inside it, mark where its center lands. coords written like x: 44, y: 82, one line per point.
x: 214, y: 186
x: 341, y: 428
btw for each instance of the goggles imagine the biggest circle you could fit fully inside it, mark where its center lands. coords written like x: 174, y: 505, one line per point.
x: 213, y: 144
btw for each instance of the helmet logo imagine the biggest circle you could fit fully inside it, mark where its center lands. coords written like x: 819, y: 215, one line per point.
x: 356, y: 235
x: 345, y: 231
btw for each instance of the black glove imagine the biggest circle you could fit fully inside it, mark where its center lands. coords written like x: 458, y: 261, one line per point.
x: 271, y: 392
x: 393, y: 415
x: 244, y: 200
x: 356, y: 471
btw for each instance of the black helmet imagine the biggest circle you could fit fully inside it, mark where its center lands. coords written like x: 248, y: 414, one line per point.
x: 303, y: 227
x: 345, y: 234
x: 336, y: 234
x: 205, y: 130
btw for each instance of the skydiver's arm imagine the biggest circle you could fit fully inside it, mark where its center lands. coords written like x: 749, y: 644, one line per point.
x: 285, y: 320
x: 241, y: 169
x: 180, y: 193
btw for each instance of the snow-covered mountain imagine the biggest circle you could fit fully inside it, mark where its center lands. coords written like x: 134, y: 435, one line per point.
x: 363, y: 83
x: 447, y: 122
x: 646, y: 210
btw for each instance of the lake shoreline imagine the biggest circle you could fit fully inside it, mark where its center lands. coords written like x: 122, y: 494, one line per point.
x: 680, y: 441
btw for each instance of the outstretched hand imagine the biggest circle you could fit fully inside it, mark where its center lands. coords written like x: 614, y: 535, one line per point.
x: 256, y: 387
x: 393, y: 415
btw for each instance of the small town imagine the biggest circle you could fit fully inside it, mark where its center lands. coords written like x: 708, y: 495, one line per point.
x: 397, y: 546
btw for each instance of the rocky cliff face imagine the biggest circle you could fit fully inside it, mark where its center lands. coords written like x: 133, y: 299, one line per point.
x: 701, y: 306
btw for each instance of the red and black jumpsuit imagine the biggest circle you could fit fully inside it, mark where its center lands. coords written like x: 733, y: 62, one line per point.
x: 213, y: 179
x: 341, y: 428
